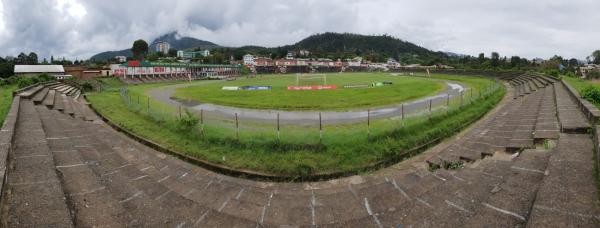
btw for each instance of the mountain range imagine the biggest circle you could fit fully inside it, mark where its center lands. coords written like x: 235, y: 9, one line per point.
x: 330, y: 45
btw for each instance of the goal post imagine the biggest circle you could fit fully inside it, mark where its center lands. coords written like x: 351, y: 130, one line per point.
x: 311, y: 79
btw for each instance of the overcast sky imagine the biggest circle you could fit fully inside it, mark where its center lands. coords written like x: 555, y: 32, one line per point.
x: 79, y: 29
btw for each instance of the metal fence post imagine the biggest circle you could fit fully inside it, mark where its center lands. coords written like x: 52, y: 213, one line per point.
x: 320, y: 128
x: 179, y: 111
x: 368, y: 123
x: 430, y: 101
x: 278, y: 129
x: 402, y: 110
x: 237, y: 128
x: 148, y: 108
x: 202, y: 121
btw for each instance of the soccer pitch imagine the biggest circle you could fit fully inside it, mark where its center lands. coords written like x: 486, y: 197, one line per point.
x: 280, y: 98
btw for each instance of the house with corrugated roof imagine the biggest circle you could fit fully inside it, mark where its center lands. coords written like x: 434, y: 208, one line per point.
x: 35, y: 70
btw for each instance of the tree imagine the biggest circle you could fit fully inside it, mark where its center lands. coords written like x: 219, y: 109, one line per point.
x: 495, y: 59
x: 21, y: 58
x: 139, y: 49
x: 32, y: 58
x: 172, y: 52
x: 515, y: 62
x: 596, y: 57
x: 481, y: 58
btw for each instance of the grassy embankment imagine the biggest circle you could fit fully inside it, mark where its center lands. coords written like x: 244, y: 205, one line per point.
x: 5, y: 100
x: 344, y: 147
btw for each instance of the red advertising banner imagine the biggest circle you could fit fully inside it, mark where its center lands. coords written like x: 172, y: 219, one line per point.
x: 134, y: 63
x: 315, y: 87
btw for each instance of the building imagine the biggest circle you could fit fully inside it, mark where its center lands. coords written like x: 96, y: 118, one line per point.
x: 35, y: 70
x: 192, y: 54
x: 355, y: 62
x: 263, y: 61
x: 121, y: 58
x: 391, y: 62
x: 163, y: 47
x: 289, y: 56
x: 249, y: 60
x: 304, y: 53
x: 85, y: 73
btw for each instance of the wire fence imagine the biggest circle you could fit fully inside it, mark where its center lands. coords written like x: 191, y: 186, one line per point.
x: 301, y: 128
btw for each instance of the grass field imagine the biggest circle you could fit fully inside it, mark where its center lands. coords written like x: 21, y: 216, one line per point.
x: 5, y: 101
x: 402, y: 89
x: 344, y: 147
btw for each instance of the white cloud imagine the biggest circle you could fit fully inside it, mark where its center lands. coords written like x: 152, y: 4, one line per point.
x: 80, y: 29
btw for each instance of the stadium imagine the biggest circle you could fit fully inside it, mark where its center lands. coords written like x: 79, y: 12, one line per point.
x: 251, y: 114
x: 343, y: 149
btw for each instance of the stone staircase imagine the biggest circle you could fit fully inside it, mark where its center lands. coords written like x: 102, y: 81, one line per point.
x: 70, y: 169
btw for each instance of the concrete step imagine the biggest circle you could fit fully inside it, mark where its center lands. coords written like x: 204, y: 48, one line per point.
x: 571, y: 119
x: 58, y: 102
x: 546, y: 125
x: 34, y: 195
x: 568, y: 196
x: 49, y: 99
x: 28, y: 94
x: 129, y: 198
x: 39, y: 97
x: 509, y: 201
x: 68, y: 107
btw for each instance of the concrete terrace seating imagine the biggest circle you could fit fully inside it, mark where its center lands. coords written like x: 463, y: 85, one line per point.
x: 519, y: 124
x: 68, y: 171
x: 153, y: 78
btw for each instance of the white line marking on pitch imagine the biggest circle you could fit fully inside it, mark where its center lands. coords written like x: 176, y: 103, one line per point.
x: 400, y: 189
x: 87, y: 192
x: 424, y: 202
x: 312, y: 207
x: 505, y: 211
x: 162, y: 195
x: 201, y: 218
x: 457, y: 206
x: 139, y: 178
x: 237, y: 197
x: 163, y: 179
x: 526, y: 169
x: 69, y: 166
x: 131, y: 197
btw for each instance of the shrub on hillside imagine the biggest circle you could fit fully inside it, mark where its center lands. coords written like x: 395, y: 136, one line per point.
x: 592, y: 94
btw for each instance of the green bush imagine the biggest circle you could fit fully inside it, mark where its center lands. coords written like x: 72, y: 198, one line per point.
x: 187, y: 122
x: 87, y: 86
x: 44, y: 78
x: 23, y: 82
x: 591, y: 93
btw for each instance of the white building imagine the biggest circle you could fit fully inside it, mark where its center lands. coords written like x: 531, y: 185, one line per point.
x: 163, y: 47
x: 121, y: 58
x: 249, y: 60
x: 289, y: 56
x: 355, y: 62
x: 391, y: 62
x: 205, y: 53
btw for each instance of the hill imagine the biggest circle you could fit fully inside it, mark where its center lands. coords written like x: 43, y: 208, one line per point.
x: 183, y: 43
x: 326, y: 45
x: 348, y: 45
x: 176, y: 42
